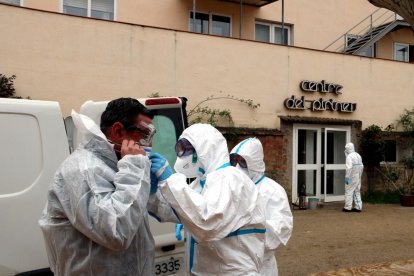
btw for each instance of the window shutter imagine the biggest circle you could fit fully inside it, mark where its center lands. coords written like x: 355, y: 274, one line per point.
x: 82, y: 4
x: 103, y: 5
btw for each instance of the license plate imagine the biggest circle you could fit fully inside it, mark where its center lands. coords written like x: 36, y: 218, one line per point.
x: 168, y: 266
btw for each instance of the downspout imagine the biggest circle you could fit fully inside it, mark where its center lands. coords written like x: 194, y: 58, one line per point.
x: 241, y: 18
x: 283, y: 23
x: 194, y: 16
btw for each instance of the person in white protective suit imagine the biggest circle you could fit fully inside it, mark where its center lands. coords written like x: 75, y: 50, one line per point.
x: 354, y: 169
x: 223, y: 220
x: 248, y: 157
x: 95, y: 221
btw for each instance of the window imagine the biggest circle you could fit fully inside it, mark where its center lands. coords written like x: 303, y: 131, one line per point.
x: 401, y: 52
x: 13, y: 2
x: 210, y: 24
x: 349, y: 39
x: 268, y: 32
x: 404, y: 52
x: 101, y: 9
x: 390, y: 151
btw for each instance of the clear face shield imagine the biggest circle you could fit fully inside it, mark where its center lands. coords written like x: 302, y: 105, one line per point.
x: 187, y: 161
x: 147, y: 130
x: 184, y: 148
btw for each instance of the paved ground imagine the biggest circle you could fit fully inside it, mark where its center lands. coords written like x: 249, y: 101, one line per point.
x: 327, y: 240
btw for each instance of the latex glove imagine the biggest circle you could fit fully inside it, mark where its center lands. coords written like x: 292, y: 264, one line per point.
x: 347, y: 181
x: 178, y: 228
x: 154, y: 183
x: 160, y: 166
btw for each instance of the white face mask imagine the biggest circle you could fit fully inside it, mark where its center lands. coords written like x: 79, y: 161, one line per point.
x: 147, y: 150
x: 244, y: 170
x: 186, y: 166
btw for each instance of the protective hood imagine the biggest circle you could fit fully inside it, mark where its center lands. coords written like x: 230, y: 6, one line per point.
x: 251, y: 150
x: 86, y: 128
x: 349, y: 148
x: 88, y: 131
x: 210, y: 145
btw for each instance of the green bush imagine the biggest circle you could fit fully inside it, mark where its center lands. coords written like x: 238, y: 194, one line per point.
x: 377, y: 197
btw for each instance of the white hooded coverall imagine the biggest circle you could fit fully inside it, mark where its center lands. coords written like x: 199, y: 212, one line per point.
x: 95, y: 221
x: 279, y: 219
x: 223, y: 220
x: 354, y: 169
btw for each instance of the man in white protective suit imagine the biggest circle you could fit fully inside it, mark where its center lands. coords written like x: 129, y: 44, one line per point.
x: 354, y: 169
x: 248, y: 157
x: 223, y: 220
x: 95, y: 221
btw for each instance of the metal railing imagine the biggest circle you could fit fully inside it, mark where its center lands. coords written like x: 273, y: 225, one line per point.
x: 366, y: 26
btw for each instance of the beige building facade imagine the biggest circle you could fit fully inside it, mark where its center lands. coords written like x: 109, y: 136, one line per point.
x: 318, y: 100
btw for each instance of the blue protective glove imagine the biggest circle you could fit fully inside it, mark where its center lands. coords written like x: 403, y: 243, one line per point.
x: 154, y: 183
x: 160, y: 166
x: 178, y: 228
x: 347, y: 181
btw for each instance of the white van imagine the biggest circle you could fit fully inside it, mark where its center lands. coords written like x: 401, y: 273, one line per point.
x: 34, y: 140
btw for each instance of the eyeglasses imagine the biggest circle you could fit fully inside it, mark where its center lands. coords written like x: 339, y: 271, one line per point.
x: 148, y: 130
x: 184, y: 148
x: 237, y: 159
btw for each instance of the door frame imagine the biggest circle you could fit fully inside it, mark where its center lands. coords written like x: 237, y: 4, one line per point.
x: 318, y: 166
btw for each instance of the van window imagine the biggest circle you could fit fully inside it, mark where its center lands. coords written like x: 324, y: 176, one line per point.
x: 27, y: 155
x: 165, y: 138
x: 169, y: 123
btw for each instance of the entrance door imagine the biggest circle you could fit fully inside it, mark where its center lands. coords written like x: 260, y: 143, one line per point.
x: 333, y: 163
x: 319, y: 161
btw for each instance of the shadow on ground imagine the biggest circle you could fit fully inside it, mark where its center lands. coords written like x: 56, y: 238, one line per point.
x: 327, y: 239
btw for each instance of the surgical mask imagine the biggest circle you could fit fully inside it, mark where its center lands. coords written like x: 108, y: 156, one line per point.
x: 147, y: 150
x: 187, y: 165
x: 244, y: 170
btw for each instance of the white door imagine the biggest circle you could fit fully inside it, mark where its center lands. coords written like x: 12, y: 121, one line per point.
x: 319, y: 161
x: 333, y: 163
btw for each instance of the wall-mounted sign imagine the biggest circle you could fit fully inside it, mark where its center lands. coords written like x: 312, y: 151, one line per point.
x: 320, y: 104
x: 322, y: 86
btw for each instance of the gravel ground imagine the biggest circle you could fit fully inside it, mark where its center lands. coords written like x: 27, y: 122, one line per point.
x: 327, y: 239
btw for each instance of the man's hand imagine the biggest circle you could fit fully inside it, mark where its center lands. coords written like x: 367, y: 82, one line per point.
x: 131, y: 147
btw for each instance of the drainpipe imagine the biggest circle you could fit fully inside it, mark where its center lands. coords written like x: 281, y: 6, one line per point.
x: 241, y: 17
x: 283, y: 22
x: 194, y: 16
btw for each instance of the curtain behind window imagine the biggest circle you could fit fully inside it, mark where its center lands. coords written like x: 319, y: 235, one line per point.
x: 75, y: 7
x: 103, y: 9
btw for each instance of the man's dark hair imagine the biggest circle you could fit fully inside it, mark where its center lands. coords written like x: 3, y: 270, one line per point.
x: 123, y: 110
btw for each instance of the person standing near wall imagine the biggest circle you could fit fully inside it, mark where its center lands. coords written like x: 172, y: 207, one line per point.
x: 248, y: 157
x: 221, y: 210
x: 354, y: 169
x: 95, y: 221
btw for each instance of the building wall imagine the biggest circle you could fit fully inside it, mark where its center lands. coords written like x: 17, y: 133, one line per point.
x: 385, y: 47
x: 316, y: 23
x: 47, y: 5
x: 276, y: 155
x: 71, y: 60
